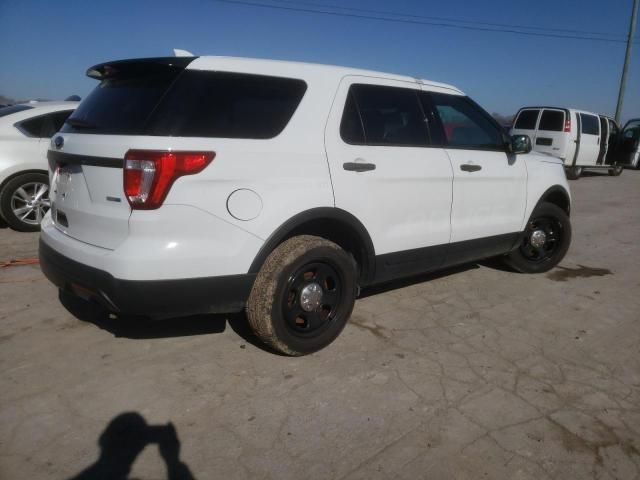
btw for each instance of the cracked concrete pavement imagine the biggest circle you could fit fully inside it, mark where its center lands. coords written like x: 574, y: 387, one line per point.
x: 473, y: 373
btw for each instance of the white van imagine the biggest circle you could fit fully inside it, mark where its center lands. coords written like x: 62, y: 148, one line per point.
x: 581, y: 139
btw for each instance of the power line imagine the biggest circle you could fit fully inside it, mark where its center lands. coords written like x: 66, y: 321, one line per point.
x: 415, y: 21
x: 447, y: 19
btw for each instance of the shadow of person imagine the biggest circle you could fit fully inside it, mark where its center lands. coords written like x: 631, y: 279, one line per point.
x: 124, y: 439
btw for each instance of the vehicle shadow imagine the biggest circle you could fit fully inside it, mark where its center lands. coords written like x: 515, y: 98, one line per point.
x: 124, y: 438
x: 143, y: 328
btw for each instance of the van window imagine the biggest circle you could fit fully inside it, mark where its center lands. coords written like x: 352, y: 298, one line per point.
x: 465, y: 124
x: 590, y: 124
x: 527, y: 120
x: 351, y: 128
x: 391, y: 116
x: 552, y: 121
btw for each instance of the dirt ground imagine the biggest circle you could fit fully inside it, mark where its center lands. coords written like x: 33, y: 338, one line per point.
x: 474, y: 373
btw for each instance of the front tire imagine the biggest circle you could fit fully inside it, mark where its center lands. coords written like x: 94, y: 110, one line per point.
x: 24, y: 201
x: 545, y: 241
x: 574, y: 173
x: 303, y: 295
x: 616, y: 170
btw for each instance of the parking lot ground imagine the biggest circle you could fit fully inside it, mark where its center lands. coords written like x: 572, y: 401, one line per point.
x: 474, y: 373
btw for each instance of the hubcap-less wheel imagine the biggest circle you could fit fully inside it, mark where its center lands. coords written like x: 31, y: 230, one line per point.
x: 312, y: 297
x: 541, y: 239
x: 30, y: 202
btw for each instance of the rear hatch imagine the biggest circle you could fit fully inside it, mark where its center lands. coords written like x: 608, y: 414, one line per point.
x: 87, y: 156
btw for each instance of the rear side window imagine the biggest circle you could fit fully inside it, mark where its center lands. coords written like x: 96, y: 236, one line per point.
x: 53, y: 122
x: 32, y: 127
x: 552, y: 121
x: 4, y: 111
x: 590, y: 124
x: 351, y: 128
x: 527, y: 120
x: 465, y: 124
x: 390, y: 116
x: 227, y: 105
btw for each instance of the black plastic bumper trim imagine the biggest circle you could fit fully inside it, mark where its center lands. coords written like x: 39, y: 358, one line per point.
x: 151, y: 298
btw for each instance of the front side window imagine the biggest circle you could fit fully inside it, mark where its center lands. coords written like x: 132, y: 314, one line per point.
x: 465, y: 124
x: 590, y: 124
x: 552, y: 121
x: 527, y: 120
x: 390, y: 116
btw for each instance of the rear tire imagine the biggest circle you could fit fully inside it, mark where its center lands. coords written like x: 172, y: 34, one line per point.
x: 303, y: 295
x: 540, y: 252
x: 616, y: 171
x: 574, y: 173
x: 24, y: 200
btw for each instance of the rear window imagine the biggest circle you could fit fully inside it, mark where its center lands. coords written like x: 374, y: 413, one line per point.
x: 4, y: 111
x: 552, y: 121
x: 189, y: 103
x: 227, y: 105
x: 590, y: 124
x: 527, y: 120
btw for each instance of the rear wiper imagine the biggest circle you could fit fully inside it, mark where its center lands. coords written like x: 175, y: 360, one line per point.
x: 77, y: 123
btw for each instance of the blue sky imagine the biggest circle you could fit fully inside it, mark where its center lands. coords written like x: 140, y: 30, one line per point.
x: 45, y: 46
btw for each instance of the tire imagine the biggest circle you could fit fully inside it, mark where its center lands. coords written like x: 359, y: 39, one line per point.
x: 616, y: 171
x: 24, y: 200
x: 277, y: 311
x: 555, y: 224
x: 574, y: 173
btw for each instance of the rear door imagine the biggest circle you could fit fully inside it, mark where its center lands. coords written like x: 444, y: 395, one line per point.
x: 526, y: 123
x: 550, y: 136
x: 604, y: 136
x: 384, y: 172
x: 489, y: 186
x: 589, y: 139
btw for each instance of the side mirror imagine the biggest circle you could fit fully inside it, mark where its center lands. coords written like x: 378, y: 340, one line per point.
x: 520, y: 144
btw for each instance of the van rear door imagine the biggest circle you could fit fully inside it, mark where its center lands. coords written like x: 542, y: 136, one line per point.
x: 589, y: 140
x: 551, y: 137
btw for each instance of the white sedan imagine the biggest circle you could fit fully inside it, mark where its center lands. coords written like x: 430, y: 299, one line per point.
x: 25, y: 130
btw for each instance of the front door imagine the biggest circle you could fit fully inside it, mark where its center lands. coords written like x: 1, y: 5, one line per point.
x: 489, y: 186
x: 384, y: 172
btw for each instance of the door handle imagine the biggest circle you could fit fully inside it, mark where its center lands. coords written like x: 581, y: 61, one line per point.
x: 467, y: 167
x: 358, y: 166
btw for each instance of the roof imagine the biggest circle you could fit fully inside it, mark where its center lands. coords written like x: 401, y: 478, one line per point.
x: 302, y: 69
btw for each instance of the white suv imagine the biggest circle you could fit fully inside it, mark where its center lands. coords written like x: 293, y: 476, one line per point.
x: 212, y: 184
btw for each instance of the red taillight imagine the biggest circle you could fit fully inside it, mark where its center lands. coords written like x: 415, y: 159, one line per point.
x: 149, y: 174
x: 567, y: 124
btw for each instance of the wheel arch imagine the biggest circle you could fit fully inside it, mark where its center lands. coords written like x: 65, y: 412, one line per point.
x: 558, y: 196
x: 333, y: 224
x: 21, y: 172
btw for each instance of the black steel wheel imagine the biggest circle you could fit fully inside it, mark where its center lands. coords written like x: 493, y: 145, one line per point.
x: 303, y: 295
x: 544, y: 242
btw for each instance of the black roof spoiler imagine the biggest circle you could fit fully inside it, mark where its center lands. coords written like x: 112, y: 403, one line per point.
x: 110, y: 69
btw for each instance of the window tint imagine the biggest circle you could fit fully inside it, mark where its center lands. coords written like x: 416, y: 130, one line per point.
x: 53, y: 122
x: 32, y: 127
x: 552, y: 121
x: 391, y: 116
x: 613, y: 128
x: 229, y: 105
x: 527, y: 120
x: 465, y: 124
x: 122, y: 104
x: 351, y: 129
x: 590, y: 124
x: 4, y: 111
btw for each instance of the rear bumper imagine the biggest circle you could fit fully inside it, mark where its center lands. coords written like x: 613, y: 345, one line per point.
x: 152, y: 298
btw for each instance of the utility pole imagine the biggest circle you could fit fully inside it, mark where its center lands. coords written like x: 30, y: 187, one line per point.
x: 623, y: 80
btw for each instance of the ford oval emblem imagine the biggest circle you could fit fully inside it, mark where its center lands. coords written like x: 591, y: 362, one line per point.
x: 58, y: 142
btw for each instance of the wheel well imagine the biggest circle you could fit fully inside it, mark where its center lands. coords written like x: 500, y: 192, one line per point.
x: 338, y: 227
x: 558, y: 197
x: 21, y: 172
